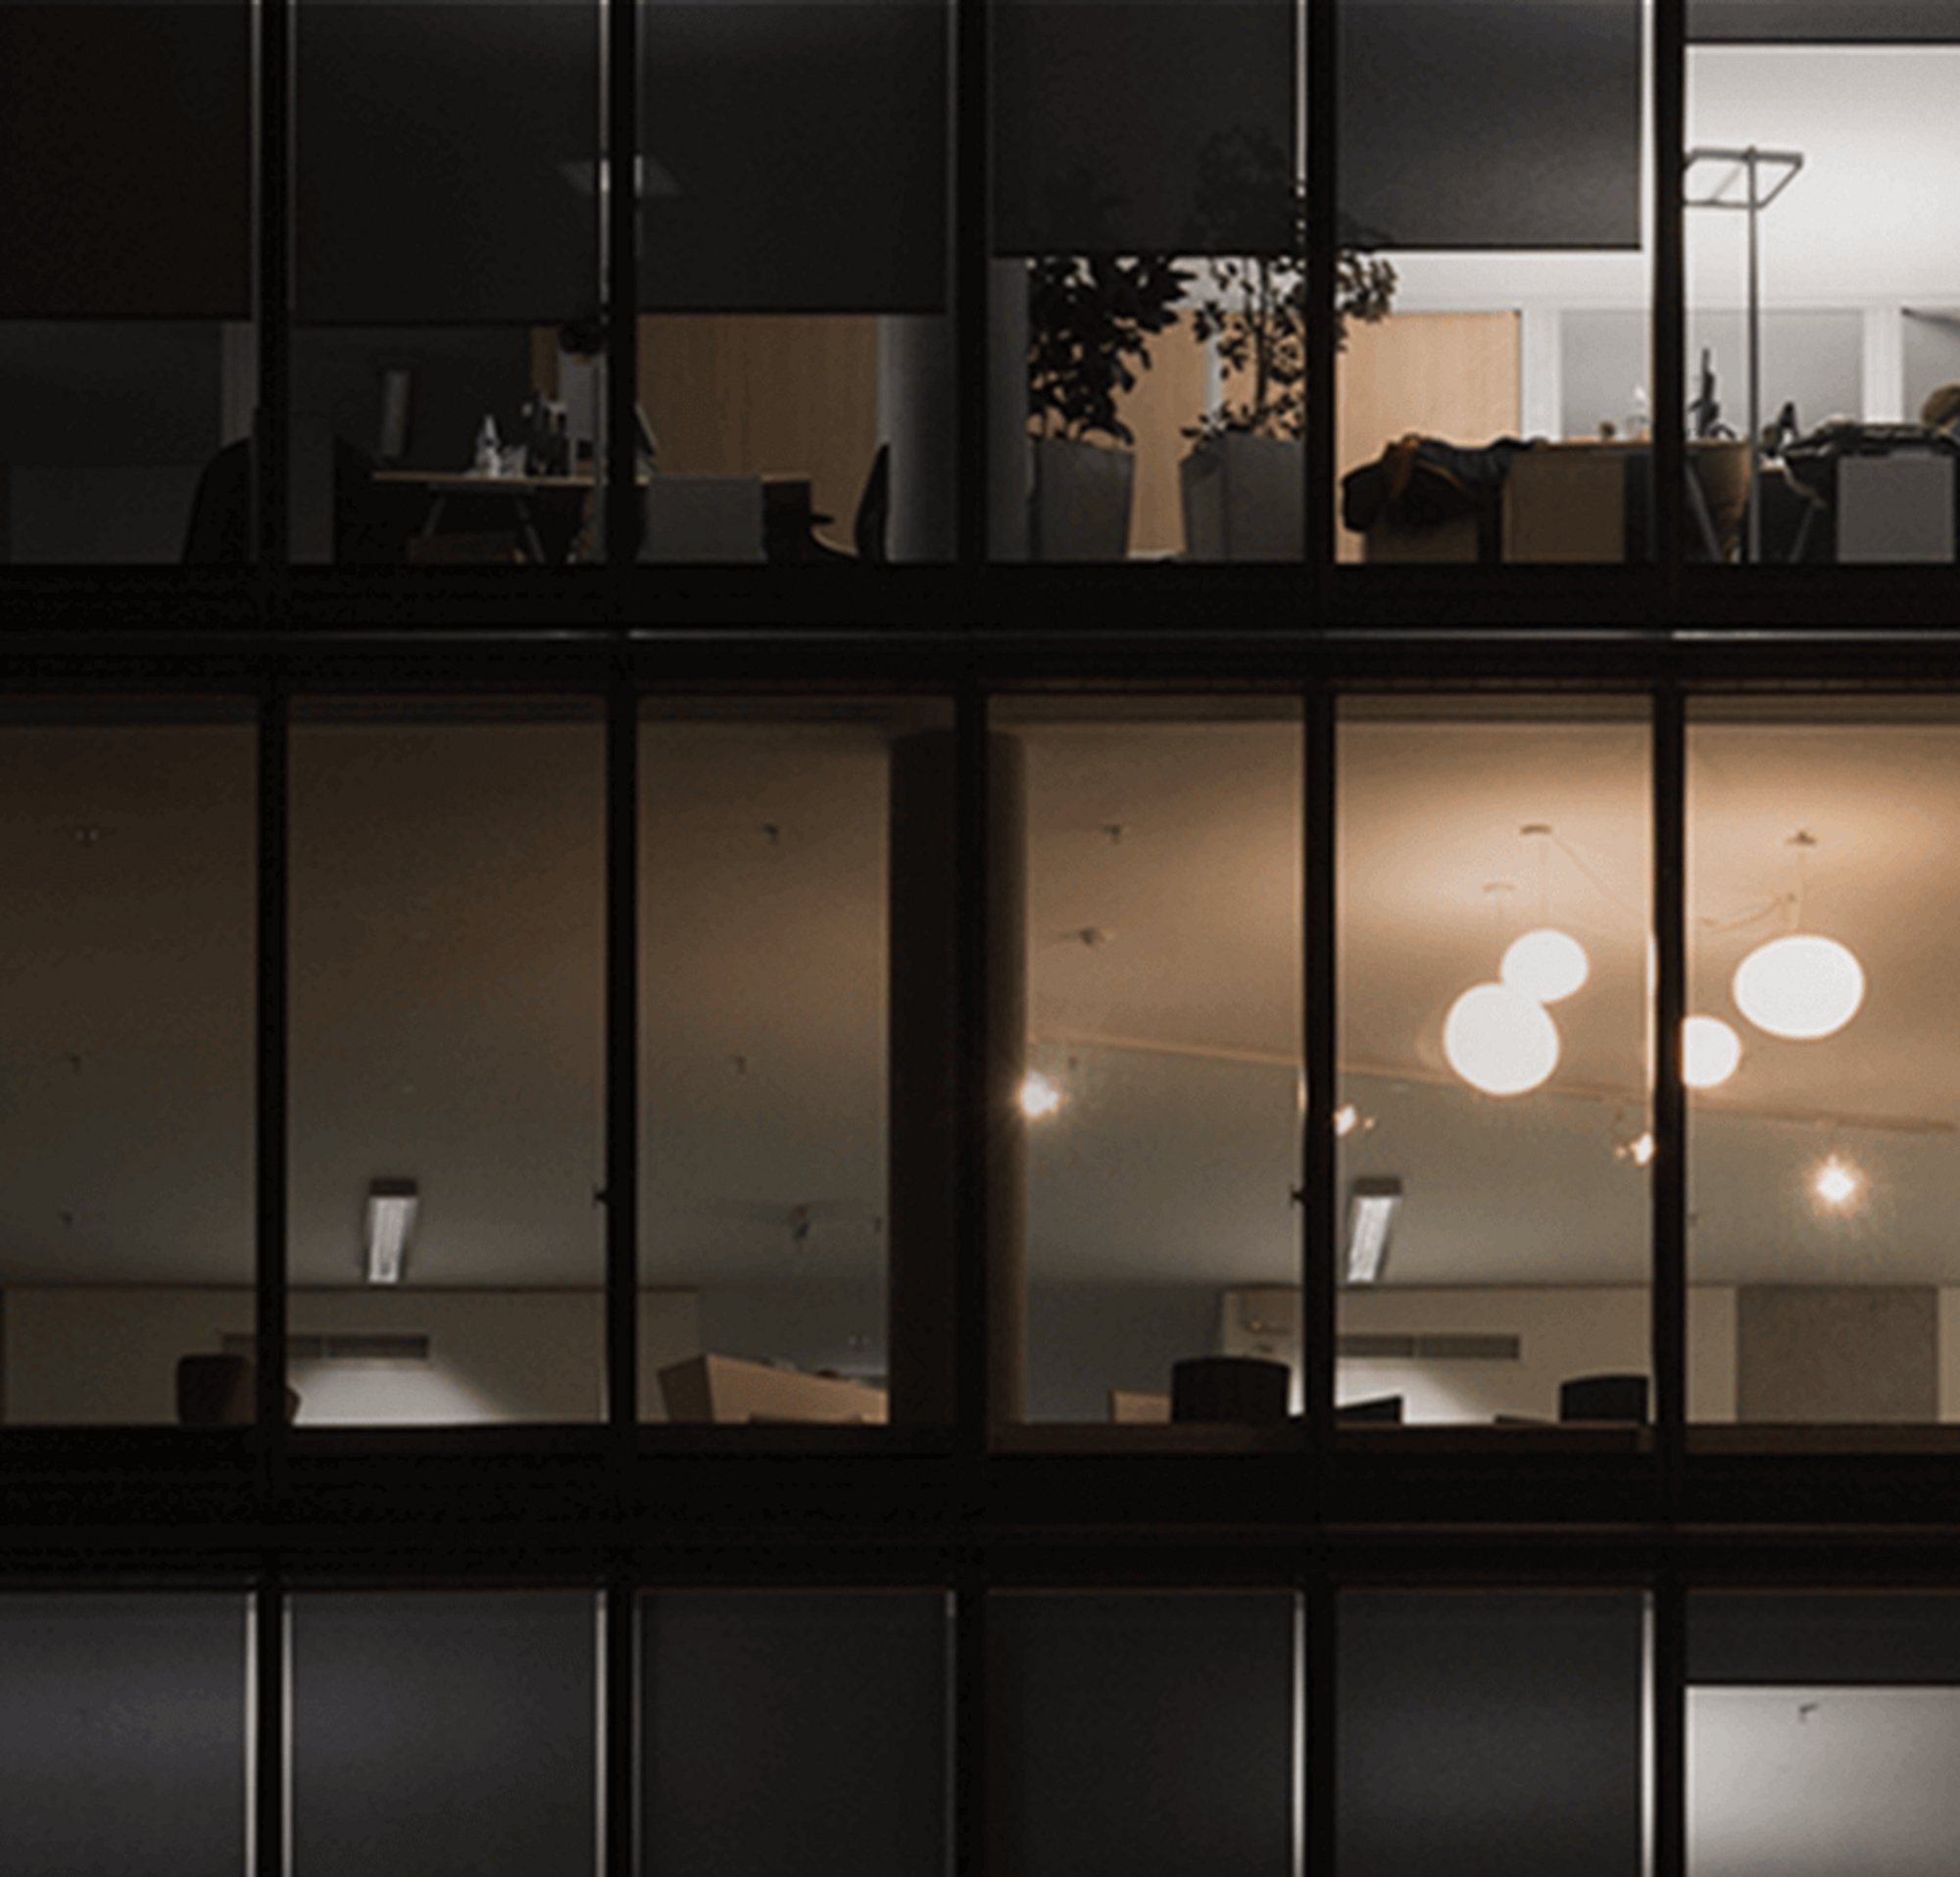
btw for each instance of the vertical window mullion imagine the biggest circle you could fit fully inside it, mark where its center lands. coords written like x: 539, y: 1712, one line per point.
x: 619, y: 474
x: 1319, y: 1211
x: 622, y: 1091
x: 1668, y: 1210
x: 1669, y: 28
x: 1322, y: 226
x: 274, y: 297
x: 972, y: 244
x: 272, y: 1147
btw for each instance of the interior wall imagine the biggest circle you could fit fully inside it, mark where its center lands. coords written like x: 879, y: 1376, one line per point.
x: 101, y: 1357
x: 1086, y: 1339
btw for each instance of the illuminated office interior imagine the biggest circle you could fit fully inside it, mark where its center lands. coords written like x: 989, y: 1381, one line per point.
x: 808, y: 1115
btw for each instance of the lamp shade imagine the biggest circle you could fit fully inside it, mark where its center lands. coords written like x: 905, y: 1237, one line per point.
x: 1801, y: 987
x: 1711, y: 1052
x: 1500, y: 1040
x: 1546, y: 964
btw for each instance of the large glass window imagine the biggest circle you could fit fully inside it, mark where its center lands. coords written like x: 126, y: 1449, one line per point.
x: 1492, y: 205
x: 1149, y: 1104
x: 1494, y: 1020
x: 130, y: 842
x: 1822, y: 1161
x: 1822, y: 231
x: 447, y: 991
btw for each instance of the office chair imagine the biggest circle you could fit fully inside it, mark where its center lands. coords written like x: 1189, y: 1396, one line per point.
x: 1246, y: 1390
x: 1604, y: 1397
x: 868, y: 529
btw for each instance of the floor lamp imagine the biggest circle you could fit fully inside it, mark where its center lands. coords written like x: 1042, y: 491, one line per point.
x: 1749, y: 167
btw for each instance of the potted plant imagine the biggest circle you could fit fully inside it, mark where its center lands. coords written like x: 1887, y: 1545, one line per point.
x: 1090, y: 322
x: 1242, y: 483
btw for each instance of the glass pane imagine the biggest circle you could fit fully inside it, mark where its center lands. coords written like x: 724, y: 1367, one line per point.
x: 771, y: 1211
x: 1823, y: 1163
x: 130, y: 842
x: 1821, y: 1733
x: 447, y: 1257
x: 1491, y: 206
x: 1813, y: 321
x: 1485, y: 1732
x: 832, y: 1706
x: 1150, y: 1734
x: 449, y: 280
x: 1494, y: 1060
x: 1159, y: 1071
x: 122, y: 1742
x: 436, y: 1731
x: 1148, y: 326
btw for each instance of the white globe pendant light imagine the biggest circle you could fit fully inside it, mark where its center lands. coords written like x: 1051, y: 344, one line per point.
x: 1545, y: 964
x: 1801, y: 987
x: 1501, y: 1040
x: 1711, y: 1052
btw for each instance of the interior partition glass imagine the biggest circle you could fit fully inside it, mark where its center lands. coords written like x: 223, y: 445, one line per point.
x: 1824, y: 1148
x: 1485, y: 1732
x: 128, y: 356
x: 795, y: 1732
x: 1494, y: 1043
x: 1146, y: 327
x: 130, y: 835
x: 1154, y: 1733
x: 124, y: 1719
x: 447, y: 395
x: 1146, y: 904
x: 445, y: 1730
x: 1821, y: 1729
x: 1822, y: 233
x: 1494, y: 276
x: 796, y: 347
x: 447, y: 1251
x: 791, y: 1229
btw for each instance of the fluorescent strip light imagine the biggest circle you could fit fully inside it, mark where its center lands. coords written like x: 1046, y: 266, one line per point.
x: 391, y: 1212
x: 1371, y: 1212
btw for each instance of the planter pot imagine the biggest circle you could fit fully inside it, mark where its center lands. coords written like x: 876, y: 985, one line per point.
x: 1080, y: 510
x: 1245, y: 498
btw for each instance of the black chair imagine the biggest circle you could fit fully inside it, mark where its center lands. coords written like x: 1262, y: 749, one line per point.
x: 1245, y: 1390
x: 1383, y: 1409
x: 1604, y: 1397
x: 867, y: 532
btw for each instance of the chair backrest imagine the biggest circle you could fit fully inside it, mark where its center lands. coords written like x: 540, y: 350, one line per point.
x: 1604, y: 1397
x: 703, y: 517
x: 1244, y: 1389
x: 213, y: 1391
x: 874, y: 508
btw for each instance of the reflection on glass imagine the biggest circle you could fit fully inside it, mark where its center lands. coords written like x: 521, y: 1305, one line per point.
x: 1813, y: 321
x: 1161, y: 1109
x: 1494, y: 1048
x: 772, y: 896
x: 446, y: 1048
x: 1492, y: 156
x: 832, y: 1704
x: 1821, y: 1733
x: 444, y: 1731
x: 1152, y: 1733
x: 1491, y: 1731
x: 130, y: 844
x: 125, y: 1729
x: 1823, y: 1166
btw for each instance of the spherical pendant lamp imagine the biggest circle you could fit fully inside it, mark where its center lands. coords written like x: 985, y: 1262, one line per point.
x: 1801, y: 987
x: 1711, y: 1052
x: 1501, y: 1040
x: 1546, y: 964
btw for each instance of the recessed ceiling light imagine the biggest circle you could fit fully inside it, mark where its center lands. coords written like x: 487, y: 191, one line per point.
x: 1371, y: 1212
x: 391, y: 1213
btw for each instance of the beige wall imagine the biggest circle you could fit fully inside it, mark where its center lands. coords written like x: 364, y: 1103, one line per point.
x: 78, y: 1355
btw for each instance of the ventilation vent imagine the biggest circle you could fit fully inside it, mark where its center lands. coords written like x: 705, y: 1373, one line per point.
x: 1442, y: 1346
x: 345, y: 1346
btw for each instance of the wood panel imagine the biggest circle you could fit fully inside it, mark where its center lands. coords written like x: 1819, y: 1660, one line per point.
x: 1453, y: 376
x: 760, y: 393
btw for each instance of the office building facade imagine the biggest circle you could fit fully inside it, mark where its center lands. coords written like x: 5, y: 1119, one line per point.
x: 723, y: 1152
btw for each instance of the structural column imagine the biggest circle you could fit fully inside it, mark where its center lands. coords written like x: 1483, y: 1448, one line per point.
x: 928, y: 1212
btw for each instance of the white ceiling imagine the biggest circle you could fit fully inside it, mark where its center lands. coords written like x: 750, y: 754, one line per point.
x: 447, y: 919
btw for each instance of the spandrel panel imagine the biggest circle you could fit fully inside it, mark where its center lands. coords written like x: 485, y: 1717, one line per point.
x: 444, y: 1731
x: 447, y: 988
x: 129, y: 837
x: 1494, y: 1009
x: 123, y: 1722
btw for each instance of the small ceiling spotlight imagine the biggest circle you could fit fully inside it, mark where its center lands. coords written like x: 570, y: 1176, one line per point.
x: 391, y: 1213
x: 1640, y: 1150
x: 1711, y: 1052
x: 1039, y: 1096
x: 1837, y: 1184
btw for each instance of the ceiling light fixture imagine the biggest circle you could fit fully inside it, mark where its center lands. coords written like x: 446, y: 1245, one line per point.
x: 1801, y: 987
x: 1039, y: 1096
x: 1711, y: 1052
x: 1837, y: 1184
x: 391, y: 1213
x: 1501, y: 1040
x: 1545, y: 963
x: 1371, y: 1213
